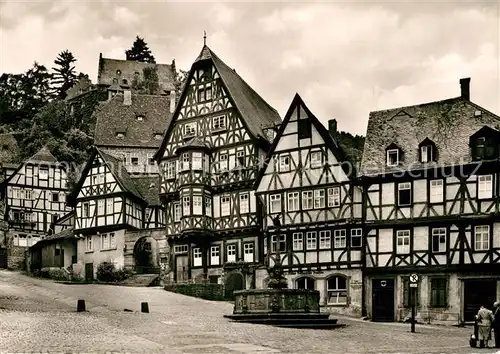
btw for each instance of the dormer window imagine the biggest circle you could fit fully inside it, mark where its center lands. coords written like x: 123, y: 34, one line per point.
x: 394, y: 155
x: 204, y: 94
x: 120, y: 135
x: 158, y: 136
x: 427, y: 150
x: 124, y: 82
x: 140, y: 118
x: 485, y: 144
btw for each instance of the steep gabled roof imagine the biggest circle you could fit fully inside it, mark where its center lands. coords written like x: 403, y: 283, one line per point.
x: 329, y: 140
x: 43, y: 155
x: 60, y: 236
x: 114, y: 117
x: 256, y: 113
x: 149, y: 187
x: 448, y: 123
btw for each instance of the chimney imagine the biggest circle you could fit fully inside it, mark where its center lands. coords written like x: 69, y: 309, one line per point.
x: 332, y: 126
x: 465, y: 88
x: 172, y: 101
x: 127, y: 98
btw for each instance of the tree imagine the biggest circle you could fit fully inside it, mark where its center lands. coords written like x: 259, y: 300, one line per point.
x: 140, y: 52
x: 65, y: 75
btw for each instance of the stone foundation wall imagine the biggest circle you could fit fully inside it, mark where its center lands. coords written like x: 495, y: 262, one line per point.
x: 203, y: 291
x: 16, y: 257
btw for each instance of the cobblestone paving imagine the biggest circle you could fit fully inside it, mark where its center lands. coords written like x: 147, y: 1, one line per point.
x: 40, y: 316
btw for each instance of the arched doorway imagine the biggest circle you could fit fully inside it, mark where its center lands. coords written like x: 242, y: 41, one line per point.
x: 145, y: 257
x: 234, y: 281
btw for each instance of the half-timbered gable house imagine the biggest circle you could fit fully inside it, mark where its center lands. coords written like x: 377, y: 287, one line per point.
x: 107, y: 204
x: 431, y: 195
x: 36, y: 196
x: 309, y: 186
x: 220, y: 131
x: 131, y: 127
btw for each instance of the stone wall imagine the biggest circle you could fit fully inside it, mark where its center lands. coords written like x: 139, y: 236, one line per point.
x: 16, y: 257
x: 203, y: 291
x: 161, y: 247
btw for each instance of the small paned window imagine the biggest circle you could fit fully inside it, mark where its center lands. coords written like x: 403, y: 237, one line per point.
x: 225, y: 209
x: 307, y: 200
x: 275, y: 203
x: 293, y: 201
x: 231, y: 253
x: 439, y: 240
x: 304, y: 128
x: 436, y: 193
x: 337, y: 290
x: 319, y: 199
x: 393, y: 157
x: 284, y: 163
x: 316, y: 159
x: 340, y: 238
x: 298, y: 242
x: 219, y: 123
x: 325, y: 239
x: 404, y: 194
x: 281, y: 243
x: 306, y: 283
x: 356, y: 238
x: 485, y: 186
x: 439, y: 292
x: 248, y: 252
x: 311, y: 240
x: 333, y: 197
x: 403, y: 241
x: 244, y: 203
x: 482, y: 238
x: 197, y: 257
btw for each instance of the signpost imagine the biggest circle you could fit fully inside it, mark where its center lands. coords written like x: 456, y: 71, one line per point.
x: 413, y: 296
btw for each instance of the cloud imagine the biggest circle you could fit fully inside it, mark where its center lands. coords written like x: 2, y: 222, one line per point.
x: 344, y: 58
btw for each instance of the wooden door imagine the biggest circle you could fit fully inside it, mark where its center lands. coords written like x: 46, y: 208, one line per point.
x: 383, y: 300
x: 233, y: 282
x: 181, y: 268
x: 477, y: 293
x: 89, y: 272
x: 3, y: 257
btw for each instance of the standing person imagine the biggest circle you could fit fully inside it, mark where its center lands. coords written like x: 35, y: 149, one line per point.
x: 485, y: 317
x: 496, y: 323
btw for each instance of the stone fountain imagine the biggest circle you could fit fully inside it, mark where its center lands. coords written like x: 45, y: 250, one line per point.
x: 279, y: 306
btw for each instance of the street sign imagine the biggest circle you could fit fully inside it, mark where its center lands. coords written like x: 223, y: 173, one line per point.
x: 414, y: 278
x: 413, y: 285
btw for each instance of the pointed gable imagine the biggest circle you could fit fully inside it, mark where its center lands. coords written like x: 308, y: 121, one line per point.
x: 43, y: 155
x: 256, y: 114
x: 300, y: 134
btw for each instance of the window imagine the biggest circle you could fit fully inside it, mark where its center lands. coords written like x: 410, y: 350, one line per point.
x: 86, y: 210
x: 171, y: 169
x: 437, y: 191
x: 197, y: 258
x: 189, y: 129
x: 248, y: 252
x: 134, y: 161
x: 197, y: 205
x: 214, y: 255
x: 319, y: 199
x: 197, y: 161
x: 293, y: 201
x: 337, y: 290
x: 325, y: 239
x: 404, y: 194
x: 112, y: 241
x: 109, y: 206
x: 307, y: 200
x: 231, y: 253
x: 311, y: 240
x: 208, y: 206
x: 219, y: 123
x: 225, y: 206
x: 43, y: 173
x: 438, y: 292
x: 304, y: 128
x: 204, y: 94
x: 275, y: 205
x: 284, y: 163
x: 485, y: 148
x: 281, y: 241
x: 407, y: 293
x: 298, y: 242
x: 305, y: 283
x: 356, y: 238
x: 104, y: 242
x: 333, y: 197
x: 100, y: 207
x: 57, y: 174
x: 316, y: 159
x: 29, y: 171
x: 88, y: 244
x: 482, y: 238
x: 340, y: 238
x: 177, y: 212
x: 244, y: 205
x: 403, y: 241
x: 186, y: 206
x: 485, y: 186
x: 240, y: 158
x: 426, y: 153
x: 186, y: 159
x: 178, y: 249
x: 439, y: 240
x: 223, y: 164
x: 392, y: 157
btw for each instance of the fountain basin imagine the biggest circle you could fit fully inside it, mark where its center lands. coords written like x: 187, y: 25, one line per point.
x: 297, y: 308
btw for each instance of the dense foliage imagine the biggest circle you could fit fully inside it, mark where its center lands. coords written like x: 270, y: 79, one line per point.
x: 140, y: 51
x: 64, y: 76
x: 106, y: 272
x: 352, y: 147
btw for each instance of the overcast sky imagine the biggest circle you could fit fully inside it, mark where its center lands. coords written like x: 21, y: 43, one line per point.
x: 344, y: 58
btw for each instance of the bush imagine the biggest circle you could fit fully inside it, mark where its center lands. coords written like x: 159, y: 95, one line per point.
x: 107, y: 272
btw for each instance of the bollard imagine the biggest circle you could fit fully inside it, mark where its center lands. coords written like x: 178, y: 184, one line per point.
x: 80, y: 307
x: 144, y: 307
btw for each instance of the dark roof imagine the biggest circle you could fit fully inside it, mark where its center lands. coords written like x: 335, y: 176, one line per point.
x: 108, y: 71
x: 43, y: 155
x: 114, y: 117
x: 256, y: 112
x: 149, y: 187
x: 120, y: 173
x: 63, y: 235
x: 448, y: 123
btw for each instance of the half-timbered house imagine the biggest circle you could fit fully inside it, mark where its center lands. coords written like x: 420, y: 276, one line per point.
x: 220, y: 131
x: 108, y: 203
x: 36, y: 196
x: 431, y: 203
x: 131, y: 127
x: 309, y: 186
